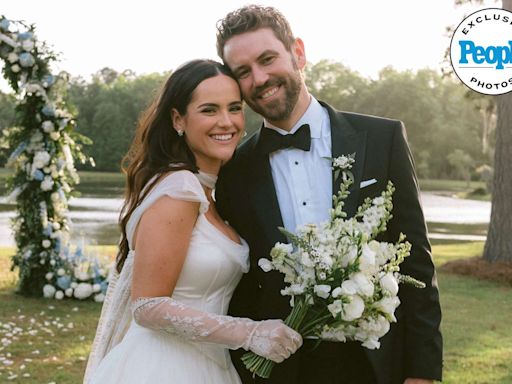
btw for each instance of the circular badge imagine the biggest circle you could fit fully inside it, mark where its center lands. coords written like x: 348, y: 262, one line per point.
x: 481, y: 51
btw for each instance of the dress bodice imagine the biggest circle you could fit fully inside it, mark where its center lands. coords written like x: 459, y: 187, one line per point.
x: 214, y: 263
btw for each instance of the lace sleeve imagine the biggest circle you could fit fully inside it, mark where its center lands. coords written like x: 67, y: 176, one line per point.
x: 271, y: 339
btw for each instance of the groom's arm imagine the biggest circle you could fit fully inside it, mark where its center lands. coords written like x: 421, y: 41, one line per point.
x: 422, y: 312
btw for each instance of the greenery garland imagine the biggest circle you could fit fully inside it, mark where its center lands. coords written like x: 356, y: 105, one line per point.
x: 45, y: 144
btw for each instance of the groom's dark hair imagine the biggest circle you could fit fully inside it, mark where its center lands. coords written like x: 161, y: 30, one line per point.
x: 251, y: 18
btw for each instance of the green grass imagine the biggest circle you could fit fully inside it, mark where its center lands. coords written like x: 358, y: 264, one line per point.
x: 449, y: 185
x: 476, y: 317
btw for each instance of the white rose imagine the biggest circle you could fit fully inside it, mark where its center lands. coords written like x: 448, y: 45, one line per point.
x: 49, y: 276
x: 96, y: 288
x: 354, y: 309
x: 47, y: 183
x: 59, y: 295
x: 81, y: 275
x: 46, y: 243
x: 55, y: 225
x: 322, y: 290
x: 49, y: 291
x: 389, y: 284
x: 55, y: 198
x: 69, y: 292
x: 74, y: 285
x: 54, y: 135
x: 265, y: 264
x: 83, y: 291
x: 12, y: 57
x: 99, y: 298
x: 61, y: 272
x: 364, y: 285
x: 15, y: 68
x: 48, y: 126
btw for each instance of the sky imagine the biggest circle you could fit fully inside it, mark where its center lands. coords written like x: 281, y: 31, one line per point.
x: 158, y: 35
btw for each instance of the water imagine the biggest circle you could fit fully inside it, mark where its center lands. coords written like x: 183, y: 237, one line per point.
x: 95, y: 218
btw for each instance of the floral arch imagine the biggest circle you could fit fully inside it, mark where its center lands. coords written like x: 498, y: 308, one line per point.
x: 44, y: 144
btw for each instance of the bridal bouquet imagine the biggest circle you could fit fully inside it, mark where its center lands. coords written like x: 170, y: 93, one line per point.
x: 342, y: 282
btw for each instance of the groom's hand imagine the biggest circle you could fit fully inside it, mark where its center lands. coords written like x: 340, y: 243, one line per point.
x: 411, y: 380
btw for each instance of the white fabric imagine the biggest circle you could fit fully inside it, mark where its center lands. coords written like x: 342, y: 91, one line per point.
x: 211, y: 271
x: 303, y: 179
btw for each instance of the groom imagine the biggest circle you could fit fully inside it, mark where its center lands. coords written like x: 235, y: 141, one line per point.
x: 280, y: 177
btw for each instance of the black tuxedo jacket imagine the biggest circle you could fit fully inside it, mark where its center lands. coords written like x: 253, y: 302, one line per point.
x: 246, y: 197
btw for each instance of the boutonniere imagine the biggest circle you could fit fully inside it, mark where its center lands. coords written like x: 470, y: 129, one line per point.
x: 342, y: 165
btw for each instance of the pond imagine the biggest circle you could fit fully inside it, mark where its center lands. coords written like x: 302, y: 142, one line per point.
x: 94, y: 219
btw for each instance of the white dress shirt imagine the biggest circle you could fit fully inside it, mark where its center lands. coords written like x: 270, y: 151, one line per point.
x: 303, y: 179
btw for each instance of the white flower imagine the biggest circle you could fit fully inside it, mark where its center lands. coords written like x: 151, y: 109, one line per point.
x: 49, y: 276
x: 41, y: 160
x: 55, y: 225
x: 349, y: 256
x: 47, y: 183
x: 367, y: 259
x: 55, y: 135
x: 265, y: 264
x: 343, y: 162
x: 99, y: 298
x: 83, y: 291
x: 12, y: 57
x: 388, y: 306
x: 389, y: 284
x: 55, y: 198
x: 59, y: 295
x: 333, y: 335
x: 335, y: 308
x: 69, y: 292
x: 336, y: 292
x: 48, y: 126
x: 27, y: 45
x: 61, y: 272
x: 15, y: 68
x: 364, y: 285
x: 96, y: 288
x: 49, y: 291
x: 74, y: 285
x: 348, y: 288
x: 46, y: 243
x: 322, y: 290
x: 354, y: 309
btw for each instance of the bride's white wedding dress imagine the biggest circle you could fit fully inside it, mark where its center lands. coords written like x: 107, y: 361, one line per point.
x: 212, y: 269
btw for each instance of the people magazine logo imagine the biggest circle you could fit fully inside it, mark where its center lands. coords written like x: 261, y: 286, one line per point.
x: 481, y: 51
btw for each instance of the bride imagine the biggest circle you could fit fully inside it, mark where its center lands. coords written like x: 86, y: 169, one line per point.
x: 164, y: 318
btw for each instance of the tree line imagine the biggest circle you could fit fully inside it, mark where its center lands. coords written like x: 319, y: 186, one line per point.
x: 450, y: 134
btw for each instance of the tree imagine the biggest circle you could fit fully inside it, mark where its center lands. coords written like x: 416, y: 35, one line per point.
x: 462, y: 163
x: 498, y: 246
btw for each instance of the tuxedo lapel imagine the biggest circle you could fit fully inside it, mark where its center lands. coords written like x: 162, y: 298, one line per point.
x: 345, y: 140
x: 264, y: 198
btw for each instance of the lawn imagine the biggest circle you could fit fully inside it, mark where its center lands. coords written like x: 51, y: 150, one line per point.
x: 51, y: 339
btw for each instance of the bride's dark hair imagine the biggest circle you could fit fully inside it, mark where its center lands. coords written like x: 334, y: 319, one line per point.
x: 157, y: 148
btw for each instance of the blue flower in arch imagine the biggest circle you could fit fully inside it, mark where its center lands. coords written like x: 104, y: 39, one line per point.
x: 26, y: 59
x: 38, y: 175
x: 25, y: 35
x: 4, y: 24
x: 64, y: 282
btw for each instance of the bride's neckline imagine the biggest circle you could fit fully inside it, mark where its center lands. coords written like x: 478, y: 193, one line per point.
x: 208, y: 180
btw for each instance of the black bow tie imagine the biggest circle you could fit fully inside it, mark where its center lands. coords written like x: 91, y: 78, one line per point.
x: 271, y: 140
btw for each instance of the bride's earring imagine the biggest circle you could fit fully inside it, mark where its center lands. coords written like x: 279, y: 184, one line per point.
x: 180, y: 132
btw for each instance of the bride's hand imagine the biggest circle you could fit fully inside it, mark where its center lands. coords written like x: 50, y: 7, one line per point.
x: 274, y: 340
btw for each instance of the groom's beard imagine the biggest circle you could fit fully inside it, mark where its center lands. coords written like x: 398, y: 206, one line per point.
x: 282, y: 108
